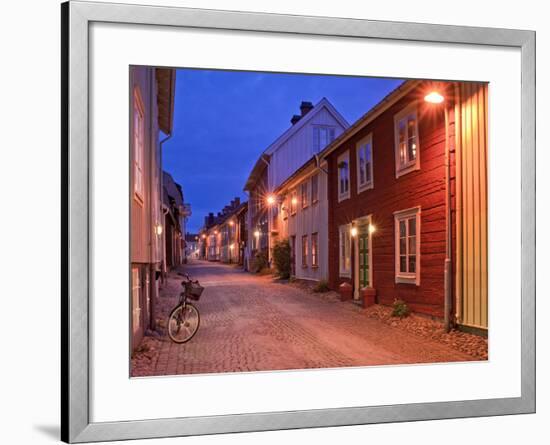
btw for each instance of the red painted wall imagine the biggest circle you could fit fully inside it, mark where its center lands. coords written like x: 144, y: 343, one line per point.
x: 424, y: 188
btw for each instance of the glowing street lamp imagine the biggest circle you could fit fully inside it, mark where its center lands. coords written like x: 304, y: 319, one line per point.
x: 353, y: 231
x: 434, y: 97
x: 257, y: 233
x: 270, y: 199
x: 158, y: 229
x: 231, y: 223
x: 204, y: 236
x: 294, y: 201
x: 372, y: 228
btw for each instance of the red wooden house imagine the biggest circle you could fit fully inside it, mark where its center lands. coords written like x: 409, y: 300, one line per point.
x: 408, y: 201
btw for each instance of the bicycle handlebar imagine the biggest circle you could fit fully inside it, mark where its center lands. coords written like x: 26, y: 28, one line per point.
x: 189, y: 280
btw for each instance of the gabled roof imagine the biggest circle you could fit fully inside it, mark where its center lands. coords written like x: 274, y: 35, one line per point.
x: 261, y: 163
x: 171, y: 189
x: 370, y: 115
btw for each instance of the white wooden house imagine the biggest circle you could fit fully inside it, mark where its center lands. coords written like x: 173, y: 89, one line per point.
x: 151, y: 112
x: 313, y: 129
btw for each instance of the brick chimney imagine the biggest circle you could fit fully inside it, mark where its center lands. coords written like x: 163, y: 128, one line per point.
x: 305, y: 108
x: 237, y: 201
x: 295, y: 119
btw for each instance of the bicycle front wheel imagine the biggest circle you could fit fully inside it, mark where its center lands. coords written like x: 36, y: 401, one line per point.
x: 183, y: 323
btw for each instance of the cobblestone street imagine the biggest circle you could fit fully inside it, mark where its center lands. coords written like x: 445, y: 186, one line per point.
x: 253, y: 323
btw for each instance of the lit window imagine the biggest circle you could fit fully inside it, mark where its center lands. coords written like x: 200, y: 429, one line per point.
x: 322, y: 136
x: 314, y: 189
x: 293, y: 202
x: 343, y: 176
x: 305, y: 200
x: 406, y: 141
x: 304, y: 251
x: 139, y: 145
x: 407, y: 246
x: 364, y: 164
x: 345, y: 250
x: 314, y: 250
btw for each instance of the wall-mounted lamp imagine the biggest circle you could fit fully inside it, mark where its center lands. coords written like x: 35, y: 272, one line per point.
x: 257, y: 233
x: 372, y: 228
x: 270, y: 199
x: 353, y: 231
x: 434, y: 97
x: 158, y: 229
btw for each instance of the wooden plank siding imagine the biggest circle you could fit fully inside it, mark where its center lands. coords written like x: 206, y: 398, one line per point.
x: 306, y: 221
x: 472, y: 236
x: 298, y: 149
x: 423, y: 188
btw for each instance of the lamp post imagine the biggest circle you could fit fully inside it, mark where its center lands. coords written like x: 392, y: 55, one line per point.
x: 434, y: 97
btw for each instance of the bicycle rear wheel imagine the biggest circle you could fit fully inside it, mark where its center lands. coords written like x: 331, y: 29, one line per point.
x: 183, y: 323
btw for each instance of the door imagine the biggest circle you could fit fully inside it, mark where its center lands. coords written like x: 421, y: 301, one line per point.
x: 293, y: 256
x: 363, y: 258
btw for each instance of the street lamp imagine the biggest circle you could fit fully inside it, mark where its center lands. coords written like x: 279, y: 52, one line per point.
x: 257, y: 233
x: 372, y: 228
x: 353, y: 231
x: 270, y: 200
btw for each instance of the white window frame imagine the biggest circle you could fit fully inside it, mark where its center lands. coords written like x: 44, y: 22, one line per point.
x: 409, y: 165
x: 139, y: 147
x: 314, y: 256
x: 304, y: 198
x: 305, y: 252
x: 315, y: 199
x: 293, y: 207
x: 343, y: 194
x: 361, y: 146
x: 136, y: 299
x: 344, y: 241
x: 330, y: 136
x: 407, y: 277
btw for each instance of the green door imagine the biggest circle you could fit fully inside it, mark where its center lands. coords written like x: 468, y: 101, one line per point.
x: 364, y: 263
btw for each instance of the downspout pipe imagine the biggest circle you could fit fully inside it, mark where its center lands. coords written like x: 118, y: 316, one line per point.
x: 318, y: 164
x: 448, y: 228
x: 269, y: 216
x: 153, y: 271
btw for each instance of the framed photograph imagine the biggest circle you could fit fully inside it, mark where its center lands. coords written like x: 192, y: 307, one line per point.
x: 292, y: 222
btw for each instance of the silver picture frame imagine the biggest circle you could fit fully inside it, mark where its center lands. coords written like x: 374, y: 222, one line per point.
x: 75, y: 396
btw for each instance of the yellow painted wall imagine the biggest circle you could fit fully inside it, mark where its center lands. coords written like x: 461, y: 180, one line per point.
x: 471, y: 205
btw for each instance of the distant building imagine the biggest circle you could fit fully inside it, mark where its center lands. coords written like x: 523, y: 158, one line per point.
x: 192, y: 245
x: 176, y: 213
x: 152, y: 103
x: 311, y: 131
x: 223, y: 237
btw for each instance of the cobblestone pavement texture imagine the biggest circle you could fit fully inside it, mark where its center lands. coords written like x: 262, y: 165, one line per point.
x: 254, y: 323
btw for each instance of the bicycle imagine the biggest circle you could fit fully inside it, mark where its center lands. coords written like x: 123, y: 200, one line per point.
x: 184, y: 319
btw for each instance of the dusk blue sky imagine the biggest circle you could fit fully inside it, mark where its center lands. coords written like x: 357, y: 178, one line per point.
x: 223, y: 120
